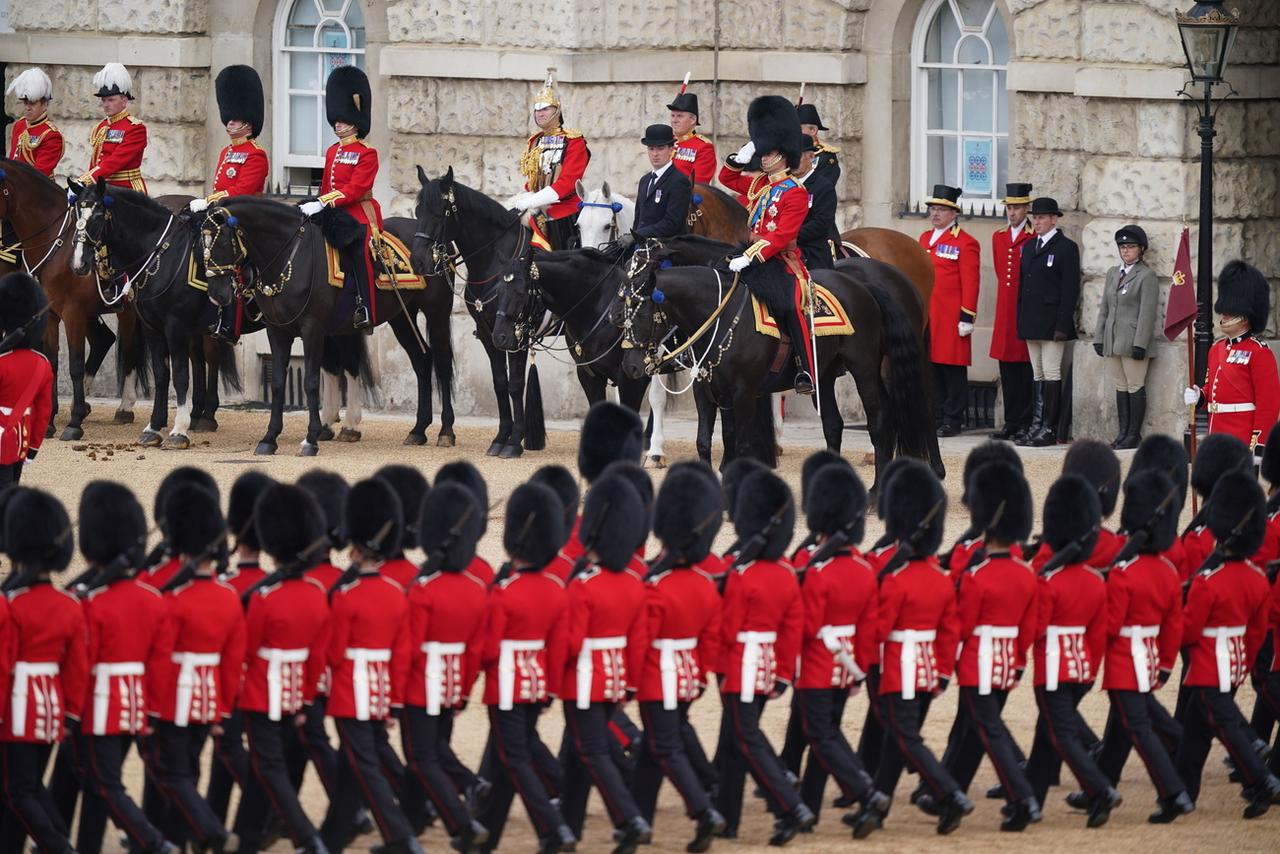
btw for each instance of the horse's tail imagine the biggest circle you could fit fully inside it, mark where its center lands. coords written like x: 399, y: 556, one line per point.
x: 362, y: 365
x: 906, y: 381
x: 535, y: 421
x: 228, y: 368
x: 135, y: 360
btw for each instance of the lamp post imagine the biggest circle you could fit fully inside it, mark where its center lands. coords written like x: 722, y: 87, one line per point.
x: 1208, y: 32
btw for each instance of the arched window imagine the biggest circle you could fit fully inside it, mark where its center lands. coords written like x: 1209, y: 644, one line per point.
x: 312, y: 37
x: 960, y: 103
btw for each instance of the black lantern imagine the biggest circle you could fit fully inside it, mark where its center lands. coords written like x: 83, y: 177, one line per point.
x: 1208, y: 32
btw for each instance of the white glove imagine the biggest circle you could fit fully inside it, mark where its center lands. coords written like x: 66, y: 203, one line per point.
x: 198, y: 205
x: 543, y: 198
x: 519, y: 202
x: 745, y: 153
x: 1191, y: 396
x: 311, y: 208
x: 739, y: 264
x: 965, y: 329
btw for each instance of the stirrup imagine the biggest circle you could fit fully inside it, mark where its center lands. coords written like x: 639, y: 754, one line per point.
x: 361, y: 320
x: 804, y: 383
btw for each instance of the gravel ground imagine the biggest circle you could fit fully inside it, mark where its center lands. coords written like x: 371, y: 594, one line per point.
x: 107, y: 452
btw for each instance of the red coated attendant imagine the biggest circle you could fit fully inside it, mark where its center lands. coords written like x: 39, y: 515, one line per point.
x: 1007, y: 348
x: 695, y: 154
x: 26, y: 401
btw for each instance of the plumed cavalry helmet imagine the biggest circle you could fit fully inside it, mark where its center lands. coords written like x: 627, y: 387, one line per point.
x: 547, y: 96
x: 1243, y: 290
x: 113, y: 79
x: 773, y: 125
x: 239, y: 92
x: 31, y: 85
x: 347, y: 98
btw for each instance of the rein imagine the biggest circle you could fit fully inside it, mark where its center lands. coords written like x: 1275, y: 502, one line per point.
x: 615, y: 207
x: 656, y: 363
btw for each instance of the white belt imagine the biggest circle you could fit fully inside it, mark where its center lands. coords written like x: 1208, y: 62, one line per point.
x: 1138, y: 636
x: 986, y: 636
x: 586, y: 664
x: 187, y: 663
x: 23, y: 671
x: 507, y: 669
x: 910, y: 640
x: 1053, y: 653
x: 1222, y: 650
x: 436, y: 652
x: 667, y: 649
x: 832, y: 637
x: 1232, y: 407
x: 752, y: 642
x: 276, y: 659
x: 361, y: 659
x: 103, y: 672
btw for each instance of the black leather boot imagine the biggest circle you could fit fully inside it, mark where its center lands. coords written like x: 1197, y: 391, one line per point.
x: 954, y: 808
x: 1137, y: 412
x: 710, y: 823
x: 1020, y: 814
x: 1122, y: 415
x: 1048, y: 434
x: 1171, y: 808
x: 1025, y: 437
x: 1100, y: 807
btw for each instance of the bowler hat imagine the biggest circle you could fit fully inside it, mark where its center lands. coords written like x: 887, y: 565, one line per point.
x: 948, y: 197
x: 1017, y: 194
x: 657, y: 135
x: 1045, y: 205
x: 808, y: 114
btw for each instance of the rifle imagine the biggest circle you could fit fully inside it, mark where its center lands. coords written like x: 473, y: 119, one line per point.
x: 373, y: 546
x: 668, y: 557
x: 842, y: 538
x: 294, y: 568
x: 1221, y: 551
x: 436, y: 556
x: 908, y: 549
x: 588, y: 543
x: 756, y: 542
x: 1139, y: 538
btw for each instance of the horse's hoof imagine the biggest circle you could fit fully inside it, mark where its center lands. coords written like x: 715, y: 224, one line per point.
x: 777, y: 450
x: 510, y: 452
x: 446, y: 440
x: 346, y: 434
x: 495, y: 449
x: 123, y: 417
x: 50, y: 431
x: 71, y: 434
x: 265, y: 449
x: 306, y: 449
x: 326, y: 434
x: 204, y: 425
x: 150, y: 439
x: 416, y: 439
x: 176, y: 442
x: 655, y: 461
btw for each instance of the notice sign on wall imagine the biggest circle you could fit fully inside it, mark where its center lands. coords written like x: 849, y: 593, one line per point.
x: 978, y: 167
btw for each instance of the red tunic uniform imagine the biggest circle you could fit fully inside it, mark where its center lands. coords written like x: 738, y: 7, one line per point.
x: 202, y: 653
x: 605, y: 608
x: 840, y: 627
x: 557, y: 160
x: 919, y: 629
x: 1071, y: 629
x: 481, y: 569
x: 288, y: 634
x: 1197, y: 544
x: 881, y: 557
x: 761, y: 626
x: 117, y: 145
x: 1225, y: 621
x: 326, y: 573
x: 401, y: 571
x: 1242, y: 387
x: 1144, y: 623
x: 1103, y: 555
x: 242, y: 171
x: 350, y: 167
x: 26, y: 403
x: 446, y: 637
x: 125, y: 621
x: 956, y: 258
x: 368, y: 648
x: 38, y: 144
x: 676, y: 642
x: 47, y: 663
x: 696, y: 157
x: 1006, y: 257
x: 242, y: 577
x: 1270, y: 549
x: 526, y: 636
x: 997, y: 609
x: 1274, y: 619
x: 963, y: 551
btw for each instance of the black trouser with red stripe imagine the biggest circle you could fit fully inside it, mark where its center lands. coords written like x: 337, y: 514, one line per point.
x: 1211, y: 714
x: 31, y: 811
x: 820, y: 711
x: 749, y: 751
x: 103, y: 757
x: 588, y: 759
x: 985, y: 732
x: 425, y: 739
x: 315, y: 739
x: 231, y: 767
x: 515, y: 739
x: 664, y: 756
x: 1060, y: 734
x: 172, y: 757
x: 903, y: 745
x: 268, y: 786
x: 405, y: 786
x: 1138, y: 720
x: 68, y: 783
x: 964, y: 750
x: 360, y: 780
x: 871, y: 741
x: 794, y: 742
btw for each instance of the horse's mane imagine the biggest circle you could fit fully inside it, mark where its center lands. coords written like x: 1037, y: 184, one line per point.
x: 259, y: 204
x: 603, y: 256
x: 717, y: 192
x: 31, y: 171
x: 698, y: 241
x: 469, y: 199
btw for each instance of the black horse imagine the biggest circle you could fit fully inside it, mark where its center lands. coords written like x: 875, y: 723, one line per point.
x: 283, y: 252
x: 492, y: 242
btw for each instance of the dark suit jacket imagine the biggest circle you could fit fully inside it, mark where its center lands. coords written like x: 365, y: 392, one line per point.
x: 662, y: 211
x: 1049, y: 289
x: 819, y: 228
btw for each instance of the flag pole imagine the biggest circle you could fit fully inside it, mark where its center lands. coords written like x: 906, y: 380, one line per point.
x: 1191, y: 381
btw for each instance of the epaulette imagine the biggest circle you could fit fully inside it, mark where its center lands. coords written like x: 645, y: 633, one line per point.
x: 73, y: 597
x: 316, y: 582
x: 506, y: 582
x: 554, y: 578
x: 654, y: 579
x: 90, y: 595
x: 135, y: 120
x: 1168, y: 563
x: 467, y: 574
x: 955, y: 230
x: 16, y: 592
x: 697, y: 135
x: 637, y: 576
x: 830, y: 149
x: 147, y: 587
x: 572, y: 133
x: 1121, y: 567
x: 265, y: 590
x: 1249, y: 563
x: 343, y: 588
x: 395, y: 584
x: 592, y: 571
x: 222, y: 583
x: 423, y: 580
x: 254, y: 143
x: 739, y: 570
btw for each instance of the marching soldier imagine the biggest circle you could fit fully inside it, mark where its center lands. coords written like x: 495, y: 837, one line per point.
x: 118, y: 141
x: 26, y: 377
x: 465, y: 474
x: 164, y: 562
x: 554, y: 161
x: 242, y: 525
x: 662, y: 202
x: 350, y: 167
x: 953, y: 306
x: 827, y: 157
x: 1218, y: 455
x: 35, y: 140
x: 970, y: 549
x: 329, y: 489
x: 778, y: 206
x: 819, y: 238
x: 411, y: 488
x: 695, y: 154
x: 1006, y: 347
x: 562, y: 482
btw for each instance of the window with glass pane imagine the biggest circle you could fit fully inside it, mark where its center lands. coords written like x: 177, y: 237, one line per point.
x: 960, y: 111
x: 314, y: 37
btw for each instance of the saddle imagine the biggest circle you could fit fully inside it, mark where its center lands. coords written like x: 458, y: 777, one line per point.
x: 829, y: 316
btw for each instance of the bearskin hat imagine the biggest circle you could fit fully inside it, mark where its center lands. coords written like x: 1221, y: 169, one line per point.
x: 894, y: 467
x: 193, y: 520
x: 37, y: 532
x: 175, y: 478
x: 21, y: 299
x: 992, y: 450
x: 1237, y: 514
x: 1163, y: 453
x: 812, y: 463
x: 915, y: 495
x: 239, y: 92
x: 1144, y: 492
x: 452, y: 521
x: 411, y: 487
x: 1243, y: 290
x: 688, y: 514
x: 31, y: 85
x: 1000, y: 502
x: 837, y: 501
x: 699, y: 468
x: 766, y: 506
x: 774, y: 125
x: 609, y: 432
x: 613, y: 521
x: 329, y: 489
x: 113, y: 79
x: 738, y: 470
x: 564, y: 485
x: 1072, y: 514
x: 1099, y: 465
x: 465, y: 473
x: 290, y: 522
x: 241, y: 504
x: 1218, y: 454
x: 640, y: 481
x: 347, y: 98
x: 534, y: 530
x: 374, y: 518
x: 1271, y: 457
x: 112, y: 523
x: 6, y: 496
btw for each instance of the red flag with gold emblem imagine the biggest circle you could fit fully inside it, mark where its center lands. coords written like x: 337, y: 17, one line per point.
x: 1181, y: 310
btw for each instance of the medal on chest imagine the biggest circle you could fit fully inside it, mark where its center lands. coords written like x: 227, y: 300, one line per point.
x: 347, y: 158
x: 237, y: 157
x: 948, y: 252
x: 115, y: 135
x: 1239, y: 357
x: 688, y: 155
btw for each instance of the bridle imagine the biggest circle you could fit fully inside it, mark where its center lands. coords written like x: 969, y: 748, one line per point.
x: 219, y: 219
x: 54, y: 243
x: 142, y: 272
x: 615, y: 207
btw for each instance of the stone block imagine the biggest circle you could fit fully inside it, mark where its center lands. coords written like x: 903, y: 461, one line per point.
x: 530, y: 23
x: 485, y: 107
x: 153, y: 16
x: 1099, y: 254
x: 741, y: 27
x: 840, y: 108
x: 1112, y: 127
x: 1262, y: 119
x: 1257, y: 45
x: 734, y: 100
x: 1090, y: 306
x: 820, y: 25
x: 501, y: 176
x: 442, y: 22
x: 1261, y: 248
x: 401, y: 204
x: 1093, y: 412
x: 607, y: 107
x: 175, y: 152
x: 1243, y: 188
x: 1048, y: 30
x: 849, y: 216
x: 54, y: 15
x: 1053, y: 173
x: 411, y: 104
x: 632, y: 23
x: 1161, y: 129
x: 1050, y: 121
x: 1123, y: 32
x: 1116, y: 186
x: 172, y: 94
x: 435, y: 153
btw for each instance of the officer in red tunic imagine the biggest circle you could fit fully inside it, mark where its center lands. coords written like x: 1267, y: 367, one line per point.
x: 1006, y: 347
x: 1242, y: 387
x: 554, y: 161
x: 46, y: 662
x: 411, y: 488
x: 465, y: 474
x: 34, y: 139
x: 242, y: 525
x: 288, y: 634
x: 164, y: 561
x: 777, y: 205
x: 446, y: 632
x: 117, y: 142
x: 695, y: 154
x: 1225, y: 620
x: 350, y: 167
x: 26, y: 378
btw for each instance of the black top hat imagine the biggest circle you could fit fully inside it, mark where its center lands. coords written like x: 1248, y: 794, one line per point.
x: 1131, y: 234
x: 1017, y: 194
x: 685, y: 102
x: 347, y: 98
x: 1045, y: 205
x: 658, y: 135
x: 239, y: 92
x: 948, y: 197
x: 808, y: 114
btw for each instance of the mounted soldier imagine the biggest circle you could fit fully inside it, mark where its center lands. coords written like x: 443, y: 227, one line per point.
x: 117, y: 142
x: 826, y: 160
x: 695, y: 154
x: 553, y: 163
x: 35, y: 140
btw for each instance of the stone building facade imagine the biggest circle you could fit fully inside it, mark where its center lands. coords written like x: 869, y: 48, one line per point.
x: 1083, y: 104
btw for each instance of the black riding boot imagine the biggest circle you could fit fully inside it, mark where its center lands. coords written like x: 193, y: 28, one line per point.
x: 224, y: 328
x: 1122, y: 413
x: 1028, y: 433
x: 1048, y: 434
x: 804, y: 358
x: 360, y: 318
x: 1137, y: 413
